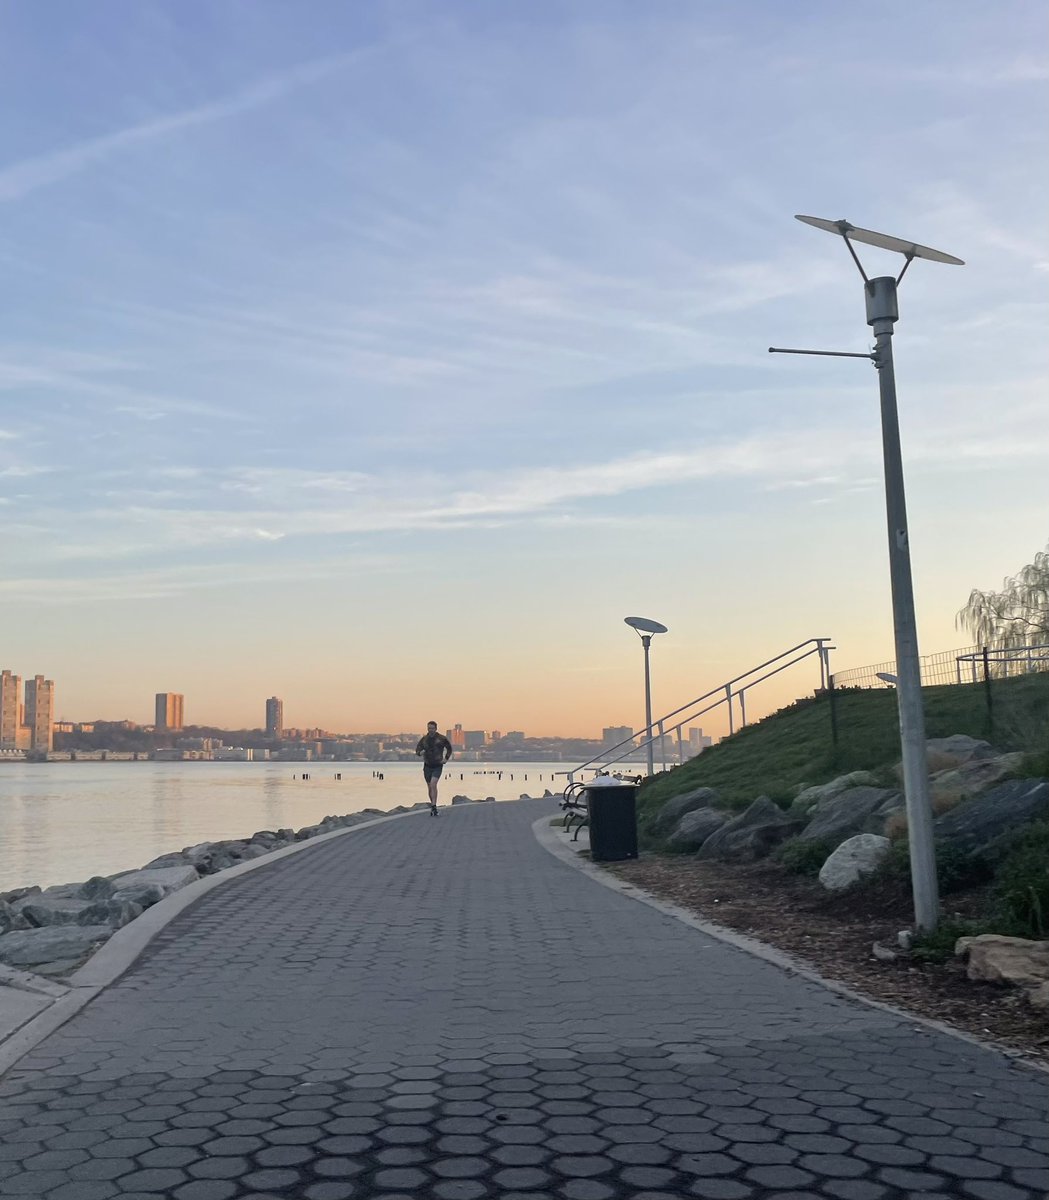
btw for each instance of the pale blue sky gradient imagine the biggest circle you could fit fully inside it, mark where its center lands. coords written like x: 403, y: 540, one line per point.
x: 384, y: 356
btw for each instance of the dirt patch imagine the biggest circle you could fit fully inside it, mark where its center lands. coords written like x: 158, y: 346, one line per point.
x: 834, y: 935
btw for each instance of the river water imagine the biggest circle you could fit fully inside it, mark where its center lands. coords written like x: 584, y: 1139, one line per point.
x: 64, y: 822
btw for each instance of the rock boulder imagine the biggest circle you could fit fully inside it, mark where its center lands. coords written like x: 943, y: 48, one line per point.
x: 848, y: 813
x: 170, y: 879
x: 98, y: 887
x: 200, y: 856
x: 144, y: 895
x: 669, y: 816
x: 970, y: 779
x: 30, y: 947
x: 49, y: 909
x: 752, y: 835
x: 10, y: 918
x: 67, y: 890
x: 811, y: 799
x: 166, y: 860
x: 853, y: 859
x: 115, y: 913
x: 994, y: 958
x: 975, y: 824
x: 953, y: 751
x: 695, y: 827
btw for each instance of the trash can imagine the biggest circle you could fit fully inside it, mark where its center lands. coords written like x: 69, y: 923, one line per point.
x: 612, y: 810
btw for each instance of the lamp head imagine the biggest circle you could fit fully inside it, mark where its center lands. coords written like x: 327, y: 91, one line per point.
x: 644, y: 625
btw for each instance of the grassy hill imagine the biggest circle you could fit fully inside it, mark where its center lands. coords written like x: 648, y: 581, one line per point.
x: 795, y: 746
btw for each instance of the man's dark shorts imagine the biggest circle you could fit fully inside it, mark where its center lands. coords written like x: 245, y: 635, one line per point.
x: 432, y: 771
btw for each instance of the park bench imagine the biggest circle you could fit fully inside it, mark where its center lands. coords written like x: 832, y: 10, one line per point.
x: 574, y: 806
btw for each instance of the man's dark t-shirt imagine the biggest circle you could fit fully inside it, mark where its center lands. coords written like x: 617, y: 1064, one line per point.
x: 434, y: 747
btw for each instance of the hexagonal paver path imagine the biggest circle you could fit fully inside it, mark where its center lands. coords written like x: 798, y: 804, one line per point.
x: 442, y: 1009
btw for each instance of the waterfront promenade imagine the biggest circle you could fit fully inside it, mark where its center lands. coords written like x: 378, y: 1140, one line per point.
x: 444, y: 1009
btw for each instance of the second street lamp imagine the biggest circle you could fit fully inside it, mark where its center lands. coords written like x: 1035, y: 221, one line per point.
x: 882, y: 314
x: 645, y: 629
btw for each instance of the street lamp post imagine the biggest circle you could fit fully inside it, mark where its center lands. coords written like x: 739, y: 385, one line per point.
x: 645, y: 629
x: 882, y: 314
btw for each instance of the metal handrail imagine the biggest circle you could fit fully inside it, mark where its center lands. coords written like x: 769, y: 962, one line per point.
x: 819, y: 646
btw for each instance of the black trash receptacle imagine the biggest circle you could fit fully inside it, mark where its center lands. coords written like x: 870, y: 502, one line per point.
x: 612, y: 812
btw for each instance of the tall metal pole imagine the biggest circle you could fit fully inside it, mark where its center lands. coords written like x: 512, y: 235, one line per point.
x: 646, y: 641
x: 882, y: 313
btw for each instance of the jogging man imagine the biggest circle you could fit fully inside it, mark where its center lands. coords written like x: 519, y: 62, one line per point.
x: 435, y: 750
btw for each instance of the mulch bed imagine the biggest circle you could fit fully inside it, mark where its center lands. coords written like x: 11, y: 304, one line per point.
x: 834, y: 934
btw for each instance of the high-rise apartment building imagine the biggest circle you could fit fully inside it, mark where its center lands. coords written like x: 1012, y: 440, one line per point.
x: 614, y: 734
x: 28, y: 726
x: 698, y: 741
x: 274, y: 717
x: 169, y: 712
x: 40, y: 712
x: 474, y: 739
x: 457, y: 737
x: 10, y: 706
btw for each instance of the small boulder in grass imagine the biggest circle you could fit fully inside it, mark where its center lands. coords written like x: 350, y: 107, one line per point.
x: 854, y: 858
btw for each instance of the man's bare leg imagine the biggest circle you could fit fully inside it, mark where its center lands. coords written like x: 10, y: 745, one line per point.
x: 432, y: 789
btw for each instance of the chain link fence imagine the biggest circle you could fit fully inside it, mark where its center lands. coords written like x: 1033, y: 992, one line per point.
x: 970, y: 664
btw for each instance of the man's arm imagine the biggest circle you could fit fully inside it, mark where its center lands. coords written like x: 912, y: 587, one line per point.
x: 421, y: 746
x: 447, y: 750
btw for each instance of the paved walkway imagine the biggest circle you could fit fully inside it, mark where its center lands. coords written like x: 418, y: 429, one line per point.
x: 443, y: 1009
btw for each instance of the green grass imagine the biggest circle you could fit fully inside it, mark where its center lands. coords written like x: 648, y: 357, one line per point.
x: 794, y: 745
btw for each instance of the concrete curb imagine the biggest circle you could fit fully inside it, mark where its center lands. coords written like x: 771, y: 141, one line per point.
x: 548, y: 837
x: 112, y: 959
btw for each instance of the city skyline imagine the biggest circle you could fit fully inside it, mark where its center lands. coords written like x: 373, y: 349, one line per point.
x: 30, y: 724
x: 353, y: 365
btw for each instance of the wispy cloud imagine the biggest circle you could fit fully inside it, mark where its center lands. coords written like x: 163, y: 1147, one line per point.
x: 22, y: 471
x: 68, y: 371
x: 20, y: 179
x: 243, y: 508
x: 147, y: 583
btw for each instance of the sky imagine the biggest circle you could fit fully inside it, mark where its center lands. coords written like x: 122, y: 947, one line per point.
x: 384, y: 357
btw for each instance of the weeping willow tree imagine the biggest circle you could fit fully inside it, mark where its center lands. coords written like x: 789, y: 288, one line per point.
x: 1016, y: 616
